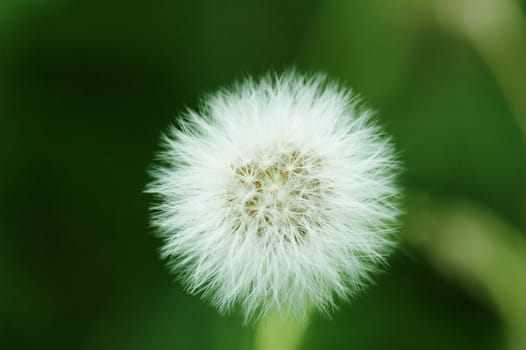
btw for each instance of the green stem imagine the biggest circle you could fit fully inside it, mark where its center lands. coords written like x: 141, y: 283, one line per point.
x: 277, y: 333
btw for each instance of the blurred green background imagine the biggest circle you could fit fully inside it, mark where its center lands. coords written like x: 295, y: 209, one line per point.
x: 86, y: 88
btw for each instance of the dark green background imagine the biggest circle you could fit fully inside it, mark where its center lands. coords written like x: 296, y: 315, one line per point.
x: 86, y: 88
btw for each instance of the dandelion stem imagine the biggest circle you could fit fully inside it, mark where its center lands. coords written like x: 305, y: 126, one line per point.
x: 275, y: 332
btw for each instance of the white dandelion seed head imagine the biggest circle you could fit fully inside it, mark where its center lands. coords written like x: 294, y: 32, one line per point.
x: 279, y: 194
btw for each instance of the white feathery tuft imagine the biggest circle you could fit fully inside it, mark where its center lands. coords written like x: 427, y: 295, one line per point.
x: 279, y: 194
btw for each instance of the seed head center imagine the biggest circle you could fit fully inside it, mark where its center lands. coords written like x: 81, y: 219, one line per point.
x: 279, y: 192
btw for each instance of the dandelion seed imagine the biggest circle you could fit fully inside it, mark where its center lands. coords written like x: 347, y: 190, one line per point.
x: 278, y: 194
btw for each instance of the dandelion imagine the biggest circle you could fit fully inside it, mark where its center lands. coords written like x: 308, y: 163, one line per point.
x: 278, y: 195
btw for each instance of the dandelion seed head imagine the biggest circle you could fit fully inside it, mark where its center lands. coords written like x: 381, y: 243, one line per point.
x: 279, y: 194
x: 272, y: 194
